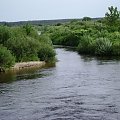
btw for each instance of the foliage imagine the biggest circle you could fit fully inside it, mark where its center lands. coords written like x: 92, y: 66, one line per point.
x: 44, y: 38
x: 71, y: 39
x: 86, y: 45
x: 25, y: 44
x: 4, y: 34
x: 6, y: 58
x: 86, y: 19
x: 28, y: 29
x: 46, y: 52
x: 103, y: 46
x: 112, y: 16
x: 116, y: 48
x: 97, y: 37
x: 65, y: 37
x: 24, y: 48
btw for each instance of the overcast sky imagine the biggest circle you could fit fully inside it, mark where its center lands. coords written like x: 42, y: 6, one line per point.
x: 19, y: 10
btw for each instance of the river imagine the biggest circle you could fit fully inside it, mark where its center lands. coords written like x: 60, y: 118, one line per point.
x: 77, y: 88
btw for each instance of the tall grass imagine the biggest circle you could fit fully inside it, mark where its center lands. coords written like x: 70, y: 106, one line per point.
x: 103, y: 46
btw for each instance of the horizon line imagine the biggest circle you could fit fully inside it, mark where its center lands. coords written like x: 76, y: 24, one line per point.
x: 47, y: 19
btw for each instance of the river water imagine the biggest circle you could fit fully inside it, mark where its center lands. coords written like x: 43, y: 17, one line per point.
x: 77, y: 88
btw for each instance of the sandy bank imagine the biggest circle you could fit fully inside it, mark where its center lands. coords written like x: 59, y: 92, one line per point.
x: 23, y: 65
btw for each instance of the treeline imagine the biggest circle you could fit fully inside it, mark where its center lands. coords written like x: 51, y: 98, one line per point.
x: 41, y: 22
x: 36, y: 22
x: 21, y: 44
x: 100, y: 37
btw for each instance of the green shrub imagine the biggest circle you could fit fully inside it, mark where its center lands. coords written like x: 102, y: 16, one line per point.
x: 103, y: 46
x: 86, y: 19
x: 45, y: 39
x: 27, y: 28
x: 17, y: 32
x: 46, y: 53
x: 115, y: 36
x: 30, y: 57
x: 24, y: 48
x: 116, y: 48
x: 25, y: 44
x: 58, y: 35
x: 65, y: 37
x: 86, y: 45
x: 71, y: 39
x: 4, y: 34
x: 6, y: 58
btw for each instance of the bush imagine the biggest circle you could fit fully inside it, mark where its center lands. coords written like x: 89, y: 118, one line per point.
x: 71, y: 39
x: 116, y: 48
x: 65, y: 37
x: 45, y: 39
x: 4, y: 34
x: 86, y: 45
x: 103, y: 47
x: 46, y: 53
x: 58, y: 35
x: 24, y: 48
x: 6, y: 58
x: 17, y: 32
x: 24, y: 44
x: 86, y: 19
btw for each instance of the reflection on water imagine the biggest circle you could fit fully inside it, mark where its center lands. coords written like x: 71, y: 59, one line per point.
x: 5, y: 77
x: 77, y: 88
x: 26, y: 73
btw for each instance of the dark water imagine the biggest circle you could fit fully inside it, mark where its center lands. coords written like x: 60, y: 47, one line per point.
x: 78, y: 88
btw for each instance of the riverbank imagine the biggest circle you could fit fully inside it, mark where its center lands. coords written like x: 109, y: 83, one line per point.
x: 31, y: 64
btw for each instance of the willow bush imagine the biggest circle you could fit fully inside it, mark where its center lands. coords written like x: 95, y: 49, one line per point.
x: 25, y: 44
x: 6, y: 58
x: 86, y: 45
x: 4, y: 34
x: 46, y: 52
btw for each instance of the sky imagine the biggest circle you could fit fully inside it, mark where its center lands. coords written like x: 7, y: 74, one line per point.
x: 24, y: 10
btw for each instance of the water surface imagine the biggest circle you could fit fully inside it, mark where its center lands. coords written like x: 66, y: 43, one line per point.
x: 77, y: 88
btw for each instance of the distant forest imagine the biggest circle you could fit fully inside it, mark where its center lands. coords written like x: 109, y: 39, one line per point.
x: 40, y: 22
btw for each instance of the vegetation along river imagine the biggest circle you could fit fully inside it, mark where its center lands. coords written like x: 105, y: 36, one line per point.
x: 77, y: 88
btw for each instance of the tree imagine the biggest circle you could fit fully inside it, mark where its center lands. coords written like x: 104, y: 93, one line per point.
x: 28, y: 28
x: 4, y: 34
x: 24, y: 48
x: 112, y: 16
x: 86, y: 19
x: 46, y: 53
x: 6, y: 58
